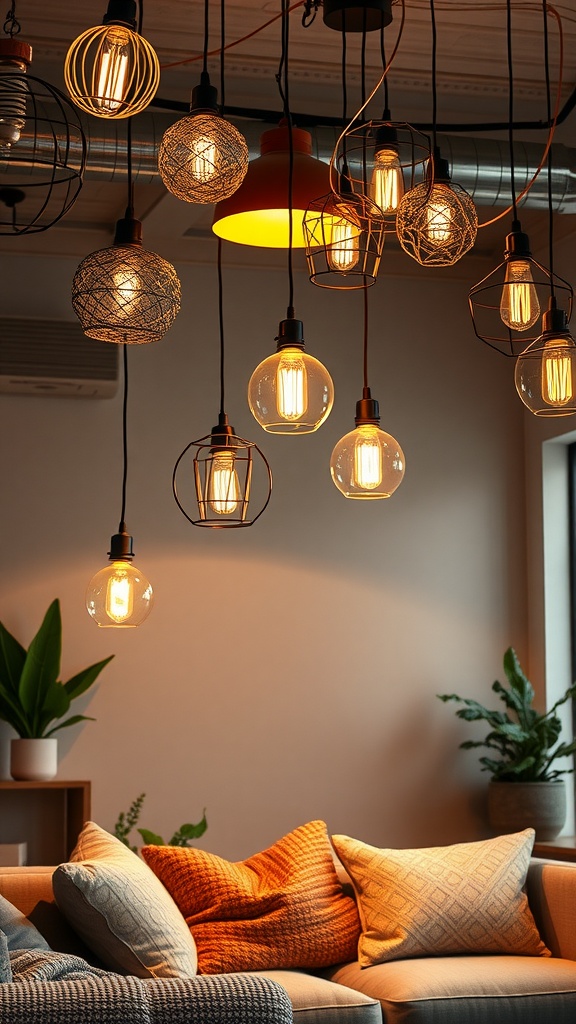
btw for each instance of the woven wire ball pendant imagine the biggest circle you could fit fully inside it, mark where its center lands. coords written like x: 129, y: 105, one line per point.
x: 126, y: 295
x: 436, y: 223
x: 203, y: 158
x: 111, y: 71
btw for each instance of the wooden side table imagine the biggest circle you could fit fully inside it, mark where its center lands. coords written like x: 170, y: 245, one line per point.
x: 562, y: 848
x: 48, y: 816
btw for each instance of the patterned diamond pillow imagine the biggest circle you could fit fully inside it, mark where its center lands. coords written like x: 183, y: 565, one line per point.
x: 466, y: 898
x: 283, y: 907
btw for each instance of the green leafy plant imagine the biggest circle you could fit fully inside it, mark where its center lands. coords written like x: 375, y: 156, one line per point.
x: 129, y: 819
x: 524, y: 739
x: 31, y: 696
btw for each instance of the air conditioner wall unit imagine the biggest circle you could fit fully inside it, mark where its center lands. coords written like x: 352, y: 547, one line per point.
x: 54, y: 357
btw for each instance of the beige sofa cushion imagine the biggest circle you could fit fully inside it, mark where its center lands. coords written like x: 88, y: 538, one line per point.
x: 482, y: 989
x: 121, y: 911
x: 466, y: 898
x: 320, y: 1001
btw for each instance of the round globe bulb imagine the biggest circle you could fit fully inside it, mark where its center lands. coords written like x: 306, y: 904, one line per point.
x: 119, y: 595
x: 290, y: 392
x: 367, y: 463
x: 545, y: 375
x: 436, y: 224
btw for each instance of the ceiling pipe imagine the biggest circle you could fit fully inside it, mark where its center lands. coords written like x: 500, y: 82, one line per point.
x: 480, y: 165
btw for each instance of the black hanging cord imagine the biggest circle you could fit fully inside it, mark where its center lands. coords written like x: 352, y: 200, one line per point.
x: 283, y: 87
x: 383, y: 59
x: 205, y: 48
x: 511, y: 106
x: 11, y: 25
x: 344, y: 81
x: 122, y: 528
x: 130, y: 207
x: 363, y: 67
x: 549, y: 114
x: 221, y: 323
x: 434, y: 89
x: 140, y: 16
x: 222, y: 52
x: 365, y: 290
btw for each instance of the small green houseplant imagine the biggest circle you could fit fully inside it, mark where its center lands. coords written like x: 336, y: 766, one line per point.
x: 525, y: 789
x: 32, y: 697
x: 523, y: 739
x: 127, y: 820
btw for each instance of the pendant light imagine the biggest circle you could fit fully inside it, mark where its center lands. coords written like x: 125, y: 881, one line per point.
x: 119, y: 595
x: 42, y: 143
x: 545, y: 373
x: 508, y: 302
x: 344, y: 232
x: 110, y: 70
x: 290, y: 392
x: 203, y: 158
x: 367, y: 463
x: 223, y: 467
x: 126, y: 294
x: 436, y: 221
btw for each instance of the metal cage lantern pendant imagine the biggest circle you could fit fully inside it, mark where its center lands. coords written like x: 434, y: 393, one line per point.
x: 437, y: 221
x: 222, y: 473
x: 110, y: 70
x: 344, y: 239
x: 42, y: 146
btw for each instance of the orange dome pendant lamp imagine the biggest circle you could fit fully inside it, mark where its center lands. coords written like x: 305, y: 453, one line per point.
x: 258, y: 212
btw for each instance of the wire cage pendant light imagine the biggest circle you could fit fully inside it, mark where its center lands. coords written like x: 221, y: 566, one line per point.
x: 202, y: 157
x: 111, y: 70
x: 344, y: 240
x: 222, y: 480
x: 42, y: 143
x: 126, y: 294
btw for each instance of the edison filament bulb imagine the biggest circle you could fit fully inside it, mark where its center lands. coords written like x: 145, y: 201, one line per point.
x: 387, y: 181
x: 519, y: 306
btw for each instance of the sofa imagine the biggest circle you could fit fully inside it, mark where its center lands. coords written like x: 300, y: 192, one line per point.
x: 73, y: 986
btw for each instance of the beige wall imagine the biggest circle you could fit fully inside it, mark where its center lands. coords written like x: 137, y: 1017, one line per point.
x: 287, y: 671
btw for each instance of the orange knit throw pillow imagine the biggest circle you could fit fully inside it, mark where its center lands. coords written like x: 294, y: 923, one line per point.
x: 283, y: 907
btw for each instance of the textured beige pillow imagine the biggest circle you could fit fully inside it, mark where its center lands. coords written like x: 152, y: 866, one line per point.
x: 121, y: 911
x: 466, y: 898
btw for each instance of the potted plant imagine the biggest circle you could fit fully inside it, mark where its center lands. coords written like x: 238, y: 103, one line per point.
x: 32, y: 697
x: 526, y: 788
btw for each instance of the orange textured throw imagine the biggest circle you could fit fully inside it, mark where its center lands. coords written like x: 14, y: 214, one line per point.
x: 283, y: 907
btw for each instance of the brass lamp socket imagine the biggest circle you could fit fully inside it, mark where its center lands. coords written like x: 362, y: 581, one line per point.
x: 121, y: 546
x: 221, y: 434
x: 15, y: 51
x: 367, y: 410
x: 517, y: 243
x: 554, y: 321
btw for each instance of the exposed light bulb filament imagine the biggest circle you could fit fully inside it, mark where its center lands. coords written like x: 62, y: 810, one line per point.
x: 204, y: 158
x: 343, y: 252
x: 387, y: 182
x: 557, y: 383
x: 291, y: 385
x: 111, y: 69
x: 119, y: 594
x: 223, y: 485
x: 128, y: 287
x: 438, y: 219
x: 367, y: 459
x: 519, y: 306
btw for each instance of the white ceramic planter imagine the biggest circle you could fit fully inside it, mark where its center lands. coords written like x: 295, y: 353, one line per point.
x: 34, y: 760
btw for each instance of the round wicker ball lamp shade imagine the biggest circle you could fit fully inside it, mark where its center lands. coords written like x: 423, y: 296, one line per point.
x: 203, y: 158
x: 258, y: 212
x: 436, y: 223
x: 126, y: 294
x: 110, y: 70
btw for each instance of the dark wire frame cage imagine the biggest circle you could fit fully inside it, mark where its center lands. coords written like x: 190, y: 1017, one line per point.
x: 437, y: 223
x: 408, y: 149
x: 344, y: 236
x: 485, y: 300
x: 85, y: 56
x: 203, y: 158
x: 42, y: 173
x: 202, y: 496
x: 126, y: 294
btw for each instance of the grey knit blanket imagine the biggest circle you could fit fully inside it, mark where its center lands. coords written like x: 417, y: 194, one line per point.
x: 57, y: 988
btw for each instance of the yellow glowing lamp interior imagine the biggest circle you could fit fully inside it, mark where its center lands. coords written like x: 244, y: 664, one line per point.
x: 387, y: 182
x: 343, y: 252
x: 519, y: 306
x: 367, y: 459
x: 557, y: 382
x: 111, y: 69
x: 127, y: 284
x: 223, y: 484
x: 291, y: 385
x: 265, y: 228
x: 119, y: 594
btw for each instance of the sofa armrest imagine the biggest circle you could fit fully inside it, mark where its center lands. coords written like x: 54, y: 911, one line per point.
x: 215, y: 999
x: 551, y: 887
